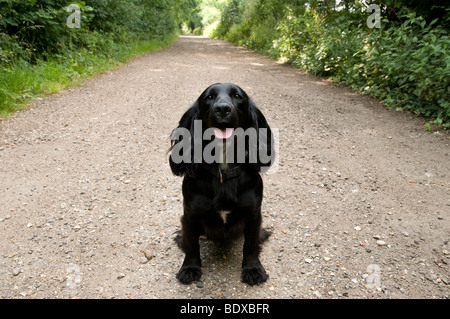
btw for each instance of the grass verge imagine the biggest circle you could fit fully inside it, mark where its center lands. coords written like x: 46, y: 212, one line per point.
x: 22, y: 81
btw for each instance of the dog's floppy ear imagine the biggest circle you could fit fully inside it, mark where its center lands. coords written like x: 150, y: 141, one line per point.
x: 181, y: 157
x: 266, y: 144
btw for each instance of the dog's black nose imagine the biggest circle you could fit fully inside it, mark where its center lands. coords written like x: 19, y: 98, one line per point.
x: 222, y: 109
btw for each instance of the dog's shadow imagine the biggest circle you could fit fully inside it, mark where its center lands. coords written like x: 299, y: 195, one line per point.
x: 211, y: 250
x: 221, y: 260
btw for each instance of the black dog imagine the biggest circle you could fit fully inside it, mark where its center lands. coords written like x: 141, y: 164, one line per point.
x: 222, y: 194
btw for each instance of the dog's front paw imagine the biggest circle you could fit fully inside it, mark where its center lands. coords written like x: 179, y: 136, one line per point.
x: 188, y: 274
x: 254, y: 276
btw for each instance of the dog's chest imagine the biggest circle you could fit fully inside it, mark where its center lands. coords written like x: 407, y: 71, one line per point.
x: 224, y: 215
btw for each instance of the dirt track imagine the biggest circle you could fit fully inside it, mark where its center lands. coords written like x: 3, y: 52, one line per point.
x: 359, y: 206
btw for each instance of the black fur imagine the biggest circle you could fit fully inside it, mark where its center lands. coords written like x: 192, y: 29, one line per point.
x: 205, y: 195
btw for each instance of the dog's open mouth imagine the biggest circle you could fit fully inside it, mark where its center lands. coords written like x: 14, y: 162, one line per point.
x: 223, y: 133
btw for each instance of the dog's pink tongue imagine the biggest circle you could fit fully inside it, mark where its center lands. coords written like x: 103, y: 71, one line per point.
x: 223, y: 134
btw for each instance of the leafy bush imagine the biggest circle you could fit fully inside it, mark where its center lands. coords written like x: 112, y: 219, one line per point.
x: 406, y: 62
x: 40, y: 53
x: 412, y: 67
x: 34, y: 29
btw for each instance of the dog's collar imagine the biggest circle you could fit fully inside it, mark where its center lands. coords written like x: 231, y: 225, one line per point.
x: 224, y: 175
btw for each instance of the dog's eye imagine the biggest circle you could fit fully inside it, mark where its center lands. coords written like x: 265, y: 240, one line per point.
x: 238, y: 96
x: 208, y: 98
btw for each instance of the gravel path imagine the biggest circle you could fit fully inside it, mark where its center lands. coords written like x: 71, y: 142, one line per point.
x: 359, y: 206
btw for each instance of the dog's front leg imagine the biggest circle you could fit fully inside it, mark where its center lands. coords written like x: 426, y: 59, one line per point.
x: 191, y: 269
x: 253, y: 272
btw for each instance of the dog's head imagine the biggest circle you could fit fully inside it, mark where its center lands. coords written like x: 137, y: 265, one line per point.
x: 224, y: 107
x: 226, y: 112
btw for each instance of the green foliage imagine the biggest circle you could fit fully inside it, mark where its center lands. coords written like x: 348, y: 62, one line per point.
x: 190, y: 15
x: 406, y: 62
x: 251, y: 23
x: 408, y: 66
x: 39, y: 52
x: 34, y: 29
x: 211, y: 12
